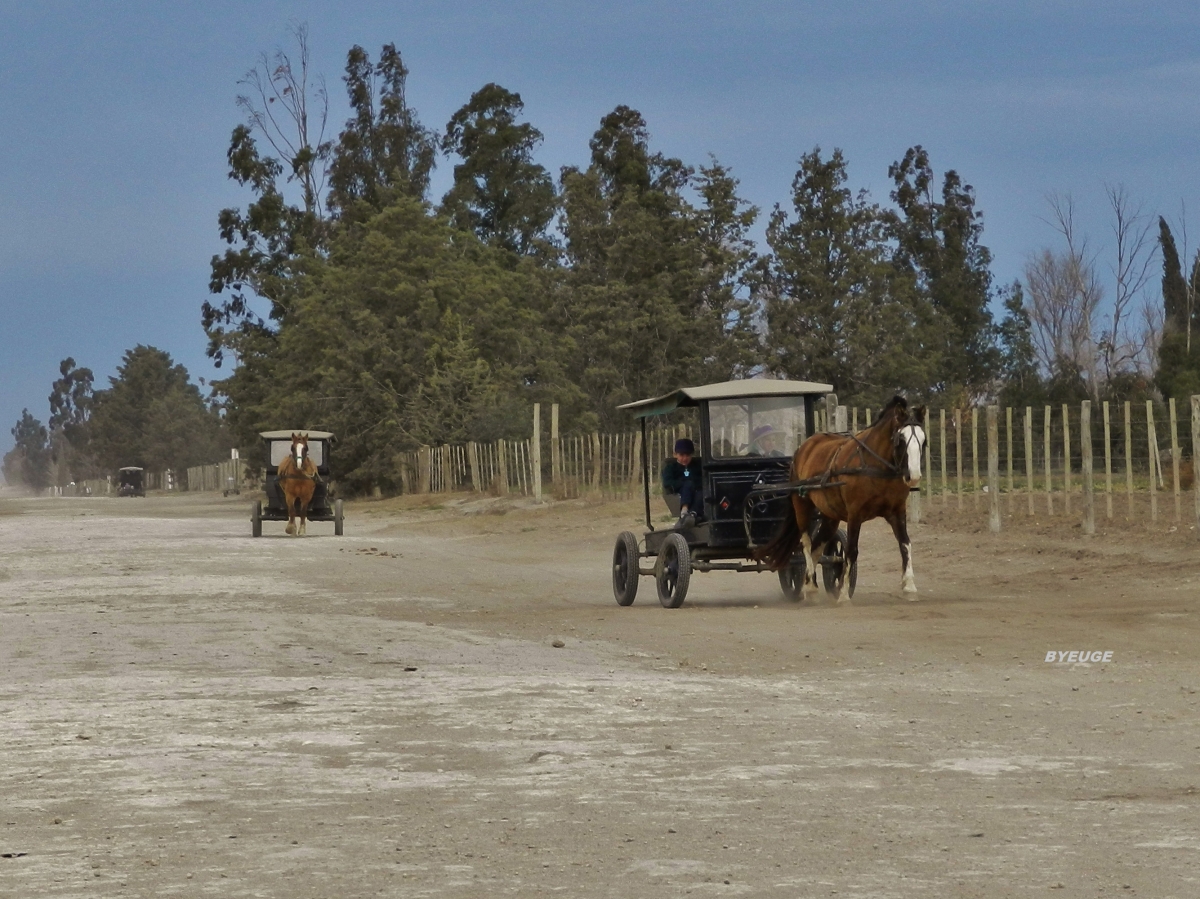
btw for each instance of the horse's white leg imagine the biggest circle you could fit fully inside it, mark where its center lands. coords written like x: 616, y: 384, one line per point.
x: 290, y: 530
x: 810, y: 569
x: 908, y: 583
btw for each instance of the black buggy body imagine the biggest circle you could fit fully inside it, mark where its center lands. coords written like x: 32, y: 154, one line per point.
x: 744, y: 486
x: 130, y: 481
x: 323, y: 507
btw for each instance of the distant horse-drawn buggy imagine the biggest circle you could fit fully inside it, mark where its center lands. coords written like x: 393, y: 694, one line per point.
x: 130, y: 481
x: 774, y: 491
x: 297, y: 482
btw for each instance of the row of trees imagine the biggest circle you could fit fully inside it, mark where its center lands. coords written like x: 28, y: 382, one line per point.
x: 347, y: 298
x: 150, y: 415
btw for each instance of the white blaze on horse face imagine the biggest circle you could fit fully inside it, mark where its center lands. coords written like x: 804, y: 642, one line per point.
x: 298, y: 451
x: 913, y: 439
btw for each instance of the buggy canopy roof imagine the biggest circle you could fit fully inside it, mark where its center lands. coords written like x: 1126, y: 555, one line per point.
x: 287, y: 435
x: 725, y: 390
x: 129, y: 468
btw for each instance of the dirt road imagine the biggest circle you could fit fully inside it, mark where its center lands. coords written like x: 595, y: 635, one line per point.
x: 191, y: 712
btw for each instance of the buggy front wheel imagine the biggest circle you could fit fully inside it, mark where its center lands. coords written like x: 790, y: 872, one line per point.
x: 791, y: 580
x: 673, y: 571
x: 256, y: 520
x: 625, y: 569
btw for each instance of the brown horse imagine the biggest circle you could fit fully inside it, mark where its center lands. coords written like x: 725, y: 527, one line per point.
x: 852, y: 478
x: 297, y: 480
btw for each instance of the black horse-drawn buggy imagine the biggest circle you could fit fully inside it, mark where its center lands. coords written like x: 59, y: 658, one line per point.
x: 745, y: 489
x: 279, y: 446
x: 130, y: 481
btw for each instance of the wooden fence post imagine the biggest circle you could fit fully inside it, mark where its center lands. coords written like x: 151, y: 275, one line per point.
x: 942, y: 434
x: 535, y: 461
x: 975, y: 454
x: 1152, y: 453
x: 1107, y: 464
x: 502, y: 466
x: 928, y: 454
x: 597, y: 460
x: 1128, y: 459
x: 1175, y: 457
x: 1029, y: 457
x: 1196, y: 458
x: 1008, y: 436
x: 958, y: 452
x: 1049, y: 477
x: 1085, y: 465
x: 1066, y: 416
x: 424, y: 466
x: 473, y: 462
x: 993, y: 464
x: 830, y: 411
x: 555, y: 449
x: 840, y: 424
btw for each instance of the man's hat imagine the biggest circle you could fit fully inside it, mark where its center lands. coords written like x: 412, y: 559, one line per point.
x: 762, y: 431
x: 685, y: 447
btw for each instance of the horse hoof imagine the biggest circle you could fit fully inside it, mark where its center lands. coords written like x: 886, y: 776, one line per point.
x: 289, y: 530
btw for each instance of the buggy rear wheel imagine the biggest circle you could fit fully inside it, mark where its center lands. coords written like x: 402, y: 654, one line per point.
x: 833, y: 565
x: 337, y: 518
x: 791, y: 580
x: 673, y: 571
x: 625, y: 569
x: 256, y: 520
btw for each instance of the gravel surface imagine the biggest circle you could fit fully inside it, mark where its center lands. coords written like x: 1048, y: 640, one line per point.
x: 446, y: 702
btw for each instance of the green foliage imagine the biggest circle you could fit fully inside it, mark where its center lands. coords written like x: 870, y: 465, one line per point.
x: 499, y: 192
x: 28, y: 462
x: 938, y: 243
x: 70, y: 411
x: 384, y: 152
x: 406, y: 314
x: 837, y: 310
x: 1020, y: 382
x: 654, y: 295
x: 1178, y: 372
x: 153, y: 416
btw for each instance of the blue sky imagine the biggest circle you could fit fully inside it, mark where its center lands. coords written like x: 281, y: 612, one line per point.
x: 115, y: 119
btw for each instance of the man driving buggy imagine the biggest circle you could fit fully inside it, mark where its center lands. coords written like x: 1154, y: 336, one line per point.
x: 682, y: 476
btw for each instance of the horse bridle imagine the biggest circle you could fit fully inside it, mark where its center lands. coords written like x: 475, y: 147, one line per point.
x: 299, y: 475
x: 892, y: 468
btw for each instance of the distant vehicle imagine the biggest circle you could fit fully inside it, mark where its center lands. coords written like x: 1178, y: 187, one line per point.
x: 129, y: 481
x: 745, y: 489
x: 279, y: 444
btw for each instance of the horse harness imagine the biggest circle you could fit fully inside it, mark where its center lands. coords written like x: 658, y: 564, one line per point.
x: 827, y: 479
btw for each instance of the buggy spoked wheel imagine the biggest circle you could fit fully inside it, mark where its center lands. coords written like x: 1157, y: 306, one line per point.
x: 256, y: 520
x: 337, y: 518
x: 625, y: 569
x: 673, y: 571
x: 791, y: 580
x: 834, y: 565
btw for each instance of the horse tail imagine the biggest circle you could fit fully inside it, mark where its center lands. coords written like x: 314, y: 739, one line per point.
x: 779, y: 551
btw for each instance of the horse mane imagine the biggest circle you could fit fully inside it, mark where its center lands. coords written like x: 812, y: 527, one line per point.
x: 896, y: 402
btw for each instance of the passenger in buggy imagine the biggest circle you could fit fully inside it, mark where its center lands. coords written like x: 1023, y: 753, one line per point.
x: 681, y: 481
x: 765, y: 442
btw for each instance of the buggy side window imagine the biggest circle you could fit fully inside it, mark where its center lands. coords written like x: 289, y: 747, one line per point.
x: 759, y: 426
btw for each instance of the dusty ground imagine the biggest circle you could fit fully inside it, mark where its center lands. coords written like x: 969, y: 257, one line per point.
x: 191, y: 712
